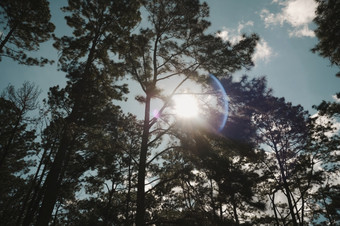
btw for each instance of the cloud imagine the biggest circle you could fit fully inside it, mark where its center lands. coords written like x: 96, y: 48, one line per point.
x: 336, y: 99
x: 297, y: 13
x: 243, y: 25
x: 324, y: 120
x: 224, y: 34
x: 305, y: 31
x: 263, y: 52
x: 234, y: 35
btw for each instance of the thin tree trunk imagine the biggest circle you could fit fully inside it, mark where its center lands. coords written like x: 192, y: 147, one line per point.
x: 108, y: 205
x: 302, y: 210
x: 274, y: 208
x: 290, y: 204
x: 221, y: 212
x: 33, y: 185
x: 286, y: 188
x: 53, y: 178
x: 34, y: 203
x: 8, y: 36
x: 128, y: 196
x: 56, y: 215
x: 235, y: 210
x: 140, y: 215
x: 329, y: 216
x: 5, y: 150
x: 213, y: 206
x: 52, y: 182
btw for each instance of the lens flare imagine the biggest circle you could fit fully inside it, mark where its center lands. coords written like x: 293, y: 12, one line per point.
x: 218, y: 85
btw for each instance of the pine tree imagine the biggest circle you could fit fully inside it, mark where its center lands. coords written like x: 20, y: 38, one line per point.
x: 24, y: 26
x: 209, y: 183
x: 324, y: 143
x: 283, y: 132
x: 327, y: 19
x: 17, y: 145
x: 100, y: 28
x: 173, y: 44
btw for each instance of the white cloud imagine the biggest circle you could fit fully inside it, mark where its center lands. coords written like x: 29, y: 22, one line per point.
x: 243, y: 25
x: 234, y: 35
x: 263, y: 52
x: 323, y: 120
x: 301, y: 32
x: 336, y: 99
x: 297, y: 13
x: 270, y: 18
x: 224, y: 34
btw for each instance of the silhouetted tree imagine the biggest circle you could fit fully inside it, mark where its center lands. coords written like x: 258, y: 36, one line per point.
x: 289, y: 162
x: 172, y: 44
x: 202, y: 178
x: 24, y: 25
x: 100, y: 28
x: 98, y: 166
x: 17, y: 145
x: 324, y: 144
x: 328, y: 21
x: 110, y: 179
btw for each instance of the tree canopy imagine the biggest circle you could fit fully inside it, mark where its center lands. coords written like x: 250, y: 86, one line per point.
x: 24, y: 26
x: 327, y: 19
x: 76, y: 158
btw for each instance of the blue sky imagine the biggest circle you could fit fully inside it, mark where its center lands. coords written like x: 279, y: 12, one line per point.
x: 283, y: 55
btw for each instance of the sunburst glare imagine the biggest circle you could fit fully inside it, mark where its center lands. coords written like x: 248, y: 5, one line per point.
x: 186, y: 106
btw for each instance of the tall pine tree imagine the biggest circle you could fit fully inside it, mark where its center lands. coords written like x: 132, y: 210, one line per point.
x: 100, y: 29
x: 174, y: 44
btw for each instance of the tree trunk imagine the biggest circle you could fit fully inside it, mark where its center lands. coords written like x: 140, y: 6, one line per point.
x: 52, y: 182
x: 37, y: 194
x: 8, y: 36
x: 213, y: 207
x: 274, y: 208
x: 31, y: 189
x: 5, y: 150
x: 286, y: 188
x: 140, y: 215
x: 128, y: 196
x: 235, y: 209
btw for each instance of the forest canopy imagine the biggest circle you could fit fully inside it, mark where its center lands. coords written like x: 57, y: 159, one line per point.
x: 203, y: 157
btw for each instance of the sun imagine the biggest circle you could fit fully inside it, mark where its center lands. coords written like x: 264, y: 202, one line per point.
x: 186, y: 106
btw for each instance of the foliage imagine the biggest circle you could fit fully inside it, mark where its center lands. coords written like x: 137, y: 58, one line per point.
x: 325, y: 147
x: 93, y: 164
x: 99, y: 29
x: 17, y: 145
x: 24, y: 26
x: 327, y: 19
x: 174, y: 44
